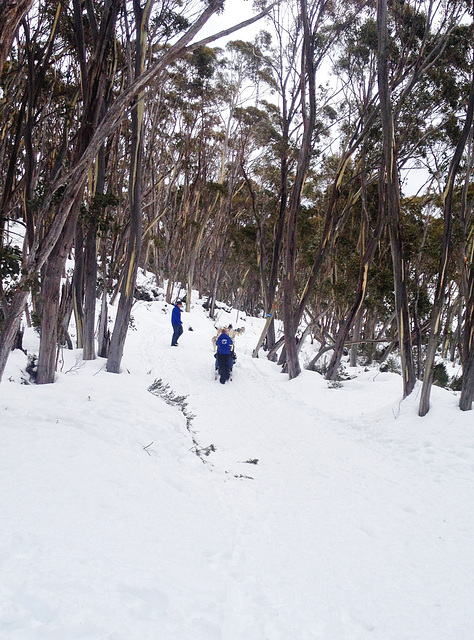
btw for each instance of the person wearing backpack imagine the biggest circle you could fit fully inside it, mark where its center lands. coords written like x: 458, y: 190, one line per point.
x: 224, y: 346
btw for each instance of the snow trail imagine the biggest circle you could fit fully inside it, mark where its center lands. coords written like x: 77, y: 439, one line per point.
x: 322, y: 514
x: 311, y: 496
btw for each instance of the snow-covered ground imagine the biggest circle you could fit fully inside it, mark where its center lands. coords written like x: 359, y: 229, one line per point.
x: 318, y: 513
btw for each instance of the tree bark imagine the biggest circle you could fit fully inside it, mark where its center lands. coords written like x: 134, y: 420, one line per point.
x: 356, y: 306
x: 304, y: 156
x: 467, y: 391
x: 393, y: 204
x: 122, y: 319
x: 440, y: 294
x: 94, y: 90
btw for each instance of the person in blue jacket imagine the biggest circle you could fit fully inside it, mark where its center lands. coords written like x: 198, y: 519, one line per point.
x: 177, y: 323
x: 224, y: 346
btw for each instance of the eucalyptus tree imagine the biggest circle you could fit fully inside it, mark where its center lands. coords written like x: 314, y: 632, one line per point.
x: 453, y: 83
x: 285, y: 80
x: 326, y: 29
x: 94, y: 77
x: 301, y: 42
x: 38, y: 97
x: 197, y: 170
x: 244, y: 83
x: 183, y: 177
x: 421, y: 51
x: 441, y: 287
x: 356, y: 69
x: 117, y: 343
x: 467, y: 392
x: 411, y: 38
x: 392, y: 195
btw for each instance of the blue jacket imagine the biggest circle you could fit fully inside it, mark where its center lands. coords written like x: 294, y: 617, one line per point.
x: 176, y: 315
x: 224, y: 344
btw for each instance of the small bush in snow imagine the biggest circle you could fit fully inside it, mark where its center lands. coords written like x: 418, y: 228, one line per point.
x: 441, y: 378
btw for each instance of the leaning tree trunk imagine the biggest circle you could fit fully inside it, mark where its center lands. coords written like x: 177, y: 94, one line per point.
x: 271, y: 289
x: 393, y: 204
x: 10, y: 326
x: 103, y: 338
x: 354, y: 315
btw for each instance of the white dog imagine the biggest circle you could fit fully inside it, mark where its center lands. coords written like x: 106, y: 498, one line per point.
x: 231, y: 332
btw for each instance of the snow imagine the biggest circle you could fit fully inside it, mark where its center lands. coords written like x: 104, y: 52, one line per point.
x: 322, y: 514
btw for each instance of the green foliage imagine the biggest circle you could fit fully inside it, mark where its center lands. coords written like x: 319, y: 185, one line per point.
x: 99, y: 215
x: 204, y: 61
x: 216, y: 188
x: 393, y: 365
x: 423, y: 301
x: 253, y: 60
x: 257, y: 122
x: 440, y: 375
x: 10, y: 261
x: 168, y: 22
x: 163, y: 391
x: 456, y: 383
x: 360, y: 46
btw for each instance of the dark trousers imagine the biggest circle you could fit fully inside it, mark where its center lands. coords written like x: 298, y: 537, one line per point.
x: 177, y: 331
x: 231, y: 361
x: 223, y: 362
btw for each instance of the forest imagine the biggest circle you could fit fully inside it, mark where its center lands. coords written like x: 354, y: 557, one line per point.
x: 273, y: 174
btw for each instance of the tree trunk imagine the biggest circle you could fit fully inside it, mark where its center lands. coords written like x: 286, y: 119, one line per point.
x: 50, y: 287
x: 122, y: 319
x: 93, y: 99
x: 467, y: 391
x: 393, y: 204
x: 90, y: 294
x: 355, y: 313
x: 10, y: 326
x: 268, y: 322
x: 356, y: 308
x: 90, y: 268
x: 78, y: 284
x: 304, y: 156
x: 104, y: 333
x: 440, y: 294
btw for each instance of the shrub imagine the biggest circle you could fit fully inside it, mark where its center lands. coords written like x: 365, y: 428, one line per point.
x: 441, y: 378
x: 456, y: 383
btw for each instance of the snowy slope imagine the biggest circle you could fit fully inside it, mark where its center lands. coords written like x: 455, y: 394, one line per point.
x: 322, y: 514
